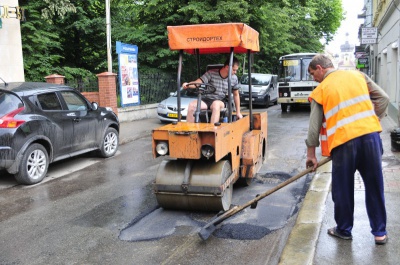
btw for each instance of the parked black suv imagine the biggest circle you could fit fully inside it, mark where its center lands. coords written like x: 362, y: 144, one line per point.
x: 41, y: 123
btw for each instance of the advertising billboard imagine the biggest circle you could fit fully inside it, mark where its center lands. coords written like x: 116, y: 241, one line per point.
x: 128, y: 74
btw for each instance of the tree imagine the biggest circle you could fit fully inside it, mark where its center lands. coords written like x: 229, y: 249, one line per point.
x: 60, y: 37
x: 69, y: 36
x: 40, y: 41
x: 282, y: 26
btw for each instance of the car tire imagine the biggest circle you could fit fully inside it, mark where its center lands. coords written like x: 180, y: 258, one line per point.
x: 284, y: 107
x: 34, y: 165
x: 109, y: 145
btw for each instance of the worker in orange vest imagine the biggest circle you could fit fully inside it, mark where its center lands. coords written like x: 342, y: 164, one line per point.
x: 351, y: 111
x: 380, y: 105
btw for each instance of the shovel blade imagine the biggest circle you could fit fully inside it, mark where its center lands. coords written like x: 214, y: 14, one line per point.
x: 206, y: 231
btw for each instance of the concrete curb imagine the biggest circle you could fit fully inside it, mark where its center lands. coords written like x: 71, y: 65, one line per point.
x: 300, y: 247
x: 139, y: 112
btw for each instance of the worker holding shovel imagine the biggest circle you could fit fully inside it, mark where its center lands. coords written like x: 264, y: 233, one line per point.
x: 350, y: 111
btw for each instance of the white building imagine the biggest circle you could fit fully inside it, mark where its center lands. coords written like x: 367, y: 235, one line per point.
x: 11, y: 61
x: 384, y: 65
x: 346, y: 56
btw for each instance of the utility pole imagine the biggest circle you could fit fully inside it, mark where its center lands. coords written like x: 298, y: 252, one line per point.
x: 108, y: 25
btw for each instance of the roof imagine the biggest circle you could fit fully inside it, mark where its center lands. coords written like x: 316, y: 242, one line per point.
x: 30, y: 88
x: 297, y: 55
x: 213, y: 38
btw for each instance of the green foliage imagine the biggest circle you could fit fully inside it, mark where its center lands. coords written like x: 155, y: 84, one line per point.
x: 59, y: 37
x: 69, y: 36
x: 41, y: 46
x: 282, y: 25
x: 57, y: 7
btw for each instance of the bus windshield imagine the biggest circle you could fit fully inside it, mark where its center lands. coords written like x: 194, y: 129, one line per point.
x: 294, y: 70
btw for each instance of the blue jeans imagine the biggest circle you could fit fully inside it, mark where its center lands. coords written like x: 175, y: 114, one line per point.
x: 365, y: 155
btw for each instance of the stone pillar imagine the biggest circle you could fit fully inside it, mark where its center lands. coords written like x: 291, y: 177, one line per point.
x: 55, y: 79
x: 108, y: 90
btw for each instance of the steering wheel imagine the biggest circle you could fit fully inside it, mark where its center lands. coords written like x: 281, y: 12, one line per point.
x: 202, y: 88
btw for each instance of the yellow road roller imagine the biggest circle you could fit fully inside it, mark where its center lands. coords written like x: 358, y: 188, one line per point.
x: 203, y: 160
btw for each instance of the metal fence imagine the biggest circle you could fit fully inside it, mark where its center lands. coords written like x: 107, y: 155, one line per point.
x: 83, y: 85
x: 153, y: 88
x: 156, y: 87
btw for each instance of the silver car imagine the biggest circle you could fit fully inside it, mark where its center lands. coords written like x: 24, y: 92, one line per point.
x: 167, y: 109
x: 264, y: 89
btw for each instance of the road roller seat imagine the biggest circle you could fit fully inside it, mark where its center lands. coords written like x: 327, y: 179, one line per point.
x: 205, y: 115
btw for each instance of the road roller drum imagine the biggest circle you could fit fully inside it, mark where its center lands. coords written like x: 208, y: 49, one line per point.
x: 194, y: 185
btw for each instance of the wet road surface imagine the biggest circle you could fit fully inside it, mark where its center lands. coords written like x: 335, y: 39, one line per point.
x: 106, y: 213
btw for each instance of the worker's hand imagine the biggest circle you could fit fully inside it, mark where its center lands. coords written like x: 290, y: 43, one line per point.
x: 184, y: 85
x: 239, y: 115
x: 312, y: 162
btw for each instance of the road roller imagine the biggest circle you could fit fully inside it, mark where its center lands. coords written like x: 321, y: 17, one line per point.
x: 203, y: 160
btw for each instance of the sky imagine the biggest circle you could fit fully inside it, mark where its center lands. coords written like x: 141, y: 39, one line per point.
x: 349, y: 25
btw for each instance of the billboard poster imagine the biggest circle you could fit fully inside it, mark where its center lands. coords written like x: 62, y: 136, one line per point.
x: 128, y: 74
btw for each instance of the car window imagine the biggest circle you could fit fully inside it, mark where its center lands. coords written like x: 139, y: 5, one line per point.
x: 49, y: 101
x: 305, y: 74
x: 74, y: 101
x: 256, y: 80
x: 9, y: 102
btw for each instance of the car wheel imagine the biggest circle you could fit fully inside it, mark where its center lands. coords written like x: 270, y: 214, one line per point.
x: 34, y: 165
x: 284, y: 107
x: 110, y: 143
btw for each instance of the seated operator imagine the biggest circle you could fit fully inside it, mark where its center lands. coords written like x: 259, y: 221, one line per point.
x: 219, y: 99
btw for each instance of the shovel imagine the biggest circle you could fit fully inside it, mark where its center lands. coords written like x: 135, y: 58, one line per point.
x: 210, y: 227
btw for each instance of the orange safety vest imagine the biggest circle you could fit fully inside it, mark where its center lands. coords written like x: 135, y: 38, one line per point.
x: 323, y: 137
x: 348, y: 109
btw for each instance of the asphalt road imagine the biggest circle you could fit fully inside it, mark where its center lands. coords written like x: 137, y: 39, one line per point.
x: 95, y: 211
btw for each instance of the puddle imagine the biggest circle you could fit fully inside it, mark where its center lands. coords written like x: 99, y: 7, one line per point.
x: 160, y: 223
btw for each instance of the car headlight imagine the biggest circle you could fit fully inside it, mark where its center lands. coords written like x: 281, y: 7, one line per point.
x: 161, y: 106
x: 162, y: 148
x: 207, y: 151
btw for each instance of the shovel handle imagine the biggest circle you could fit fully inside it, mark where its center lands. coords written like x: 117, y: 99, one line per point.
x: 237, y: 209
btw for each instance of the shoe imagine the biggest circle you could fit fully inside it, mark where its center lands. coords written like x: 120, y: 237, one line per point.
x: 333, y: 232
x: 382, y: 241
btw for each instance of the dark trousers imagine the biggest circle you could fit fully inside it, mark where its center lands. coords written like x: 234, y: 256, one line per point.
x: 365, y: 155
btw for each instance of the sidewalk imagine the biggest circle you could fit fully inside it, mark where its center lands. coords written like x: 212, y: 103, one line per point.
x: 309, y: 242
x: 133, y: 130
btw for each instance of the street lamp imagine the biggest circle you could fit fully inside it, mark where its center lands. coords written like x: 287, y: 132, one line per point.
x: 108, y: 29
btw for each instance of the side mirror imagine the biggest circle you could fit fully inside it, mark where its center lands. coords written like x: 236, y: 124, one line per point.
x: 95, y: 106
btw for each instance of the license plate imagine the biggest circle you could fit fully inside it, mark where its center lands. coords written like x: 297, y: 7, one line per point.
x: 173, y: 115
x: 301, y: 101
